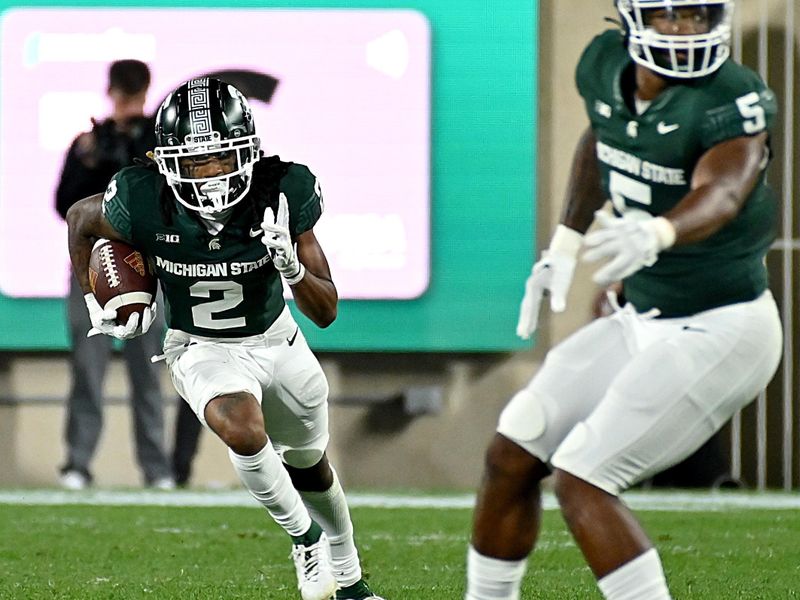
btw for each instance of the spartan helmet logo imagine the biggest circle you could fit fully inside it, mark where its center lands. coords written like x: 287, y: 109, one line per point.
x: 214, y: 244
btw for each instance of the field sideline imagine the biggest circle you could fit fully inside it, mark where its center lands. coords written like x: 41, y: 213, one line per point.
x: 198, y: 545
x: 637, y: 500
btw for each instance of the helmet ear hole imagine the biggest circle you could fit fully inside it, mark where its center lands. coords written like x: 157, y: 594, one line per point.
x: 207, y: 117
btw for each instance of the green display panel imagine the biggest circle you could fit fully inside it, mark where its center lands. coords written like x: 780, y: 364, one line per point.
x: 482, y: 190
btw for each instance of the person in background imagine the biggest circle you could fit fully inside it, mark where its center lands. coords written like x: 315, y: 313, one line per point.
x: 679, y: 142
x: 92, y: 160
x: 187, y: 439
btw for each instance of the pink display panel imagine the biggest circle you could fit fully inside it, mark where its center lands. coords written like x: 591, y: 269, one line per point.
x: 351, y: 101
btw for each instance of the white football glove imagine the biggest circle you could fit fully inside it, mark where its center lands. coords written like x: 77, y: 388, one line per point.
x: 553, y: 274
x: 629, y: 242
x: 104, y: 321
x: 148, y: 317
x: 278, y: 241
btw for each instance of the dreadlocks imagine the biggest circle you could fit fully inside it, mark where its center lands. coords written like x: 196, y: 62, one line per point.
x: 265, y: 187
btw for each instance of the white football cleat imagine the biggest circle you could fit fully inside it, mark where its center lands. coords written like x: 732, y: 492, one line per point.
x: 73, y: 480
x: 315, y: 578
x: 162, y: 483
x: 358, y: 591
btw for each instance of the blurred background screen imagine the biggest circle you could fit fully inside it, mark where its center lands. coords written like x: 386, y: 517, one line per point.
x: 427, y: 181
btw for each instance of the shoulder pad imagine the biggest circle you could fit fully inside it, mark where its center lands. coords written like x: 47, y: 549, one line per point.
x: 598, y: 58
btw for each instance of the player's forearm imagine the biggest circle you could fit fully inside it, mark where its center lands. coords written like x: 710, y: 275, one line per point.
x: 317, y: 298
x: 584, y: 192
x: 80, y: 238
x: 702, y: 212
x: 721, y: 183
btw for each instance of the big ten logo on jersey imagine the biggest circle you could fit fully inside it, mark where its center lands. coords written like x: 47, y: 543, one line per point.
x: 168, y: 238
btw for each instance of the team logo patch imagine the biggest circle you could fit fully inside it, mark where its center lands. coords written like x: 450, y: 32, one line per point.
x: 602, y: 109
x: 135, y: 261
x: 214, y: 244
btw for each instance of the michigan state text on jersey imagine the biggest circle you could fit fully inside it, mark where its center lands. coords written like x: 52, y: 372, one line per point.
x: 219, y: 284
x: 647, y: 160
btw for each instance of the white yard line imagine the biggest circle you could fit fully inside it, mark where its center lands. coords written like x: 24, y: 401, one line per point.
x: 639, y: 500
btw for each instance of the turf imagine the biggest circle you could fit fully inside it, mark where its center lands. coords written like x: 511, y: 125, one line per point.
x: 118, y: 552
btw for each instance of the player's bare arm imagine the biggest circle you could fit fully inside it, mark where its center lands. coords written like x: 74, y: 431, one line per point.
x: 315, y: 294
x: 584, y: 192
x: 722, y: 181
x: 724, y: 178
x: 86, y: 223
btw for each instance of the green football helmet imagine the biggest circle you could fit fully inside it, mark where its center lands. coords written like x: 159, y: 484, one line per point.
x: 206, y: 118
x: 683, y: 56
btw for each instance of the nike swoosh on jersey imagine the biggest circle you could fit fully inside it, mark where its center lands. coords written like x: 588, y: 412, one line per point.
x: 664, y: 129
x: 256, y: 232
x: 294, y: 337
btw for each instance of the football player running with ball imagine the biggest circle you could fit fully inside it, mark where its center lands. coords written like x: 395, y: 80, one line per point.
x: 679, y: 142
x: 224, y: 227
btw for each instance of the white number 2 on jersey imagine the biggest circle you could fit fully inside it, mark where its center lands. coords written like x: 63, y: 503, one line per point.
x: 203, y: 314
x: 110, y: 192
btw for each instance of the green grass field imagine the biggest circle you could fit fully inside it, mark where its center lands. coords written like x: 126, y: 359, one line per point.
x: 116, y: 552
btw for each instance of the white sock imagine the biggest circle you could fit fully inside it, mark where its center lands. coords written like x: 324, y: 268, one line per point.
x: 267, y: 480
x: 491, y: 578
x: 639, y: 579
x: 329, y: 509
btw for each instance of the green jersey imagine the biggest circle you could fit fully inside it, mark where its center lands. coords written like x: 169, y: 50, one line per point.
x: 647, y: 158
x: 219, y: 284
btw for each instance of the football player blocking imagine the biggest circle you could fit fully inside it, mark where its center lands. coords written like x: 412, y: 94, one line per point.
x: 225, y: 227
x: 678, y: 140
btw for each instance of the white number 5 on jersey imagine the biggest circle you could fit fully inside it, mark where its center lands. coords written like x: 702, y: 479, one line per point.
x: 753, y: 113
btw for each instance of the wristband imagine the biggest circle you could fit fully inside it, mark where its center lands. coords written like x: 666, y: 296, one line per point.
x: 566, y: 241
x: 665, y: 232
x: 91, y: 301
x: 296, y: 277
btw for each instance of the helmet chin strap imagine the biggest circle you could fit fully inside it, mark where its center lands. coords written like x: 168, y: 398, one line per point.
x: 217, y: 217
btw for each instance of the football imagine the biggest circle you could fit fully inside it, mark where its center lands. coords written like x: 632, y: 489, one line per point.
x: 121, y: 278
